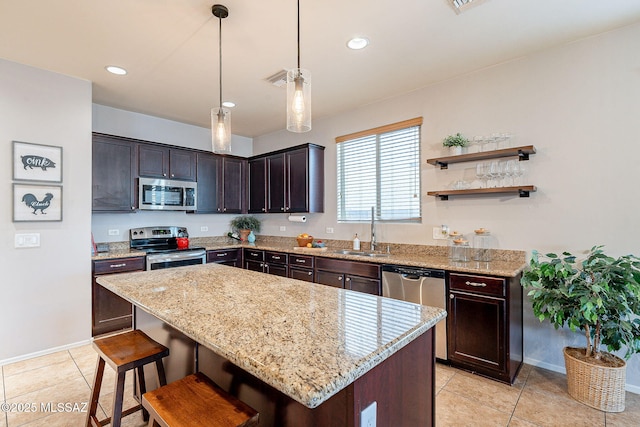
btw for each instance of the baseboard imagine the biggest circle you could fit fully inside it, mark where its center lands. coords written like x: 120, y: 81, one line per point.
x: 561, y: 369
x: 44, y: 352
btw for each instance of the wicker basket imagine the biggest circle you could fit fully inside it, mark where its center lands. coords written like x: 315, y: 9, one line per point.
x: 303, y: 241
x: 600, y: 387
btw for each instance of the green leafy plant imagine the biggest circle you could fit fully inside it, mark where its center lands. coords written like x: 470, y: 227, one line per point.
x: 245, y: 222
x: 456, y: 140
x: 599, y: 295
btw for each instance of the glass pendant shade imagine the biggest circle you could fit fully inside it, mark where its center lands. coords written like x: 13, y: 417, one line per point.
x: 298, y: 100
x: 221, y: 130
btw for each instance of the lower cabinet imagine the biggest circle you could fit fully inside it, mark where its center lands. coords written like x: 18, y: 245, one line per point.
x: 354, y: 275
x: 301, y: 267
x: 485, y: 325
x: 109, y: 312
x: 266, y: 262
x: 232, y: 257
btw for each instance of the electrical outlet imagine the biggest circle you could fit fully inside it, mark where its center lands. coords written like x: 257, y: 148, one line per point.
x: 329, y: 230
x: 204, y: 228
x: 283, y: 228
x: 27, y: 240
x: 114, y: 232
x: 440, y: 233
x: 368, y: 416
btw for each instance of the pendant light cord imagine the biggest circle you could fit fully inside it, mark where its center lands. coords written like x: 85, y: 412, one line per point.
x: 220, y: 54
x: 298, y: 35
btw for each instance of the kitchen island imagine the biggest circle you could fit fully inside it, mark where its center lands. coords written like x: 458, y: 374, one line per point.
x: 299, y: 353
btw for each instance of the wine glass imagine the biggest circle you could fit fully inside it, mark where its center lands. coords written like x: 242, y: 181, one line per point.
x: 495, y: 173
x: 481, y: 173
x: 510, y: 167
x: 518, y: 172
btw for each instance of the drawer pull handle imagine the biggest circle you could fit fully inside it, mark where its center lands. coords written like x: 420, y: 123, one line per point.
x: 222, y: 254
x: 476, y: 284
x: 275, y: 257
x: 301, y: 261
x: 124, y: 264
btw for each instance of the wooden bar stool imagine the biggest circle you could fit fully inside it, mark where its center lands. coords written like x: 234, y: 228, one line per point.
x: 196, y: 401
x: 123, y: 352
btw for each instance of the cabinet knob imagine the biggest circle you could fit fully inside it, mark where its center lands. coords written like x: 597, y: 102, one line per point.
x: 133, y: 208
x: 164, y: 174
x: 282, y: 208
x: 340, y: 278
x: 224, y: 209
x: 310, y: 273
x: 348, y: 279
x: 451, y: 296
x: 173, y: 175
x: 263, y: 209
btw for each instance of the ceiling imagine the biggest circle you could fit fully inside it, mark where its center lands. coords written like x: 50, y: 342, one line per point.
x: 170, y: 48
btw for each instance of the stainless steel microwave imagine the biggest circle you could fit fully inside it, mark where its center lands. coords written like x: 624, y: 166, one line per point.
x: 166, y: 194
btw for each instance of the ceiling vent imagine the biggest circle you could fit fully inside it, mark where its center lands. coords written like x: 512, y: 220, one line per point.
x: 279, y: 79
x: 461, y: 5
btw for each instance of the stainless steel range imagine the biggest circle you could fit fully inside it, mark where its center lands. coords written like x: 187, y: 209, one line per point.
x: 161, y: 246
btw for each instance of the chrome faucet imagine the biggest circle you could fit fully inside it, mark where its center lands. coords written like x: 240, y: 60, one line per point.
x: 373, y: 228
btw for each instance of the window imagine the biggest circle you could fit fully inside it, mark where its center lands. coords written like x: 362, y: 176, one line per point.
x: 381, y: 168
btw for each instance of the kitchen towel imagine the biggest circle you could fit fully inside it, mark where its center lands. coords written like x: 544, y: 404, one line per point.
x: 297, y: 218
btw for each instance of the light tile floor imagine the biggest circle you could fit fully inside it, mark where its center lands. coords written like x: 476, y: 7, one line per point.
x: 35, y: 388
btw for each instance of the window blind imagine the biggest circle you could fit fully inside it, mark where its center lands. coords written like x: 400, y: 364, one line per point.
x: 381, y: 170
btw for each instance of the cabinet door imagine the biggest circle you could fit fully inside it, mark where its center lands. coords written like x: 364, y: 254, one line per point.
x: 109, y: 312
x: 153, y: 161
x: 477, y: 330
x: 208, y: 175
x: 113, y: 173
x: 277, y: 269
x: 305, y: 274
x: 276, y: 183
x: 330, y: 278
x: 182, y: 164
x: 258, y: 185
x: 362, y: 284
x: 297, y: 185
x: 233, y: 185
x: 254, y: 265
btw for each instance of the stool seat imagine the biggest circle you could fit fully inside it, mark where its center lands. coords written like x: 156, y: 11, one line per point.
x: 196, y: 401
x: 124, y: 352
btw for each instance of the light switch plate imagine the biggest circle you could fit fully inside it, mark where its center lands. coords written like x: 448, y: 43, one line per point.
x: 204, y: 228
x: 368, y: 416
x: 27, y: 240
x: 283, y: 228
x: 329, y: 230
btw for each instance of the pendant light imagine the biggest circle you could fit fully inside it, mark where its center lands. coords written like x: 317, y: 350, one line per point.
x: 220, y: 116
x: 298, y: 94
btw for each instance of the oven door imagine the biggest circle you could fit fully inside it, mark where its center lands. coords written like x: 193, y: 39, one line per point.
x: 176, y: 259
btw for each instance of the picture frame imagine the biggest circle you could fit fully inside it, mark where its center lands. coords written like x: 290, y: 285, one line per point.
x: 36, y: 162
x: 37, y: 202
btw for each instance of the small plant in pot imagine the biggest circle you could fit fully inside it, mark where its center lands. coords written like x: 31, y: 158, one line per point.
x: 455, y: 143
x: 601, y: 297
x: 244, y: 225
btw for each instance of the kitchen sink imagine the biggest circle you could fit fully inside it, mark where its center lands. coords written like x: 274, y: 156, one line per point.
x: 361, y: 253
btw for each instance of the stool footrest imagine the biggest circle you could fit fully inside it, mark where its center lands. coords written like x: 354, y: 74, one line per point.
x: 196, y: 400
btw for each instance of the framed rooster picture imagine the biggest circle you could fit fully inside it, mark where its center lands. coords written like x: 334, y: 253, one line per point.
x: 36, y: 162
x: 37, y: 203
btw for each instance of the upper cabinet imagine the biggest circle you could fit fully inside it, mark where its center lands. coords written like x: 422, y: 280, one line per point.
x: 287, y: 181
x: 164, y: 162
x: 221, y: 184
x: 113, y: 174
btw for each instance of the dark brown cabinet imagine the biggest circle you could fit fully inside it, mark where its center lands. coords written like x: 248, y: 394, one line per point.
x: 301, y: 267
x: 231, y: 257
x: 485, y: 325
x: 109, y: 312
x: 221, y: 184
x: 113, y: 174
x: 353, y: 275
x: 165, y: 162
x: 287, y: 181
x: 266, y: 262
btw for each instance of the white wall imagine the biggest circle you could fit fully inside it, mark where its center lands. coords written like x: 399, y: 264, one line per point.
x: 578, y: 104
x: 114, y: 121
x: 46, y: 291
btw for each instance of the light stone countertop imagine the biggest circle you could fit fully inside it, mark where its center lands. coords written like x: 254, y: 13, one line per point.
x: 506, y: 263
x: 307, y: 340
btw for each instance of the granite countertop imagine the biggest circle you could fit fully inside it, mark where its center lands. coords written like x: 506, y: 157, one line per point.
x: 309, y: 341
x: 507, y: 263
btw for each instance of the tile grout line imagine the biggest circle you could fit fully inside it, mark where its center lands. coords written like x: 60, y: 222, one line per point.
x: 524, y: 385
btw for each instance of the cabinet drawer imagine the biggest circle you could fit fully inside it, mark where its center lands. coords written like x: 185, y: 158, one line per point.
x: 362, y: 269
x: 222, y: 255
x: 275, y: 257
x: 301, y: 261
x: 118, y: 265
x: 254, y: 255
x: 477, y: 284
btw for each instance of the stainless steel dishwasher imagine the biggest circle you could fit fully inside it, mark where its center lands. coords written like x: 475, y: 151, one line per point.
x: 420, y: 286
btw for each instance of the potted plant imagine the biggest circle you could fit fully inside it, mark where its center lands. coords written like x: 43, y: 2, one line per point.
x: 601, y: 297
x: 455, y: 143
x: 245, y: 225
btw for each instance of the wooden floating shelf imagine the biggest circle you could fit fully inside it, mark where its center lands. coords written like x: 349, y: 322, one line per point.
x: 522, y: 191
x: 522, y: 153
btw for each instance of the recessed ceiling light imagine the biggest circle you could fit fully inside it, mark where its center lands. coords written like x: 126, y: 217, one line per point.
x: 358, y: 43
x: 228, y: 104
x: 116, y: 70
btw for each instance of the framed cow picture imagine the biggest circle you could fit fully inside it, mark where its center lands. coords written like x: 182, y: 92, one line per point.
x: 32, y: 202
x: 36, y: 162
